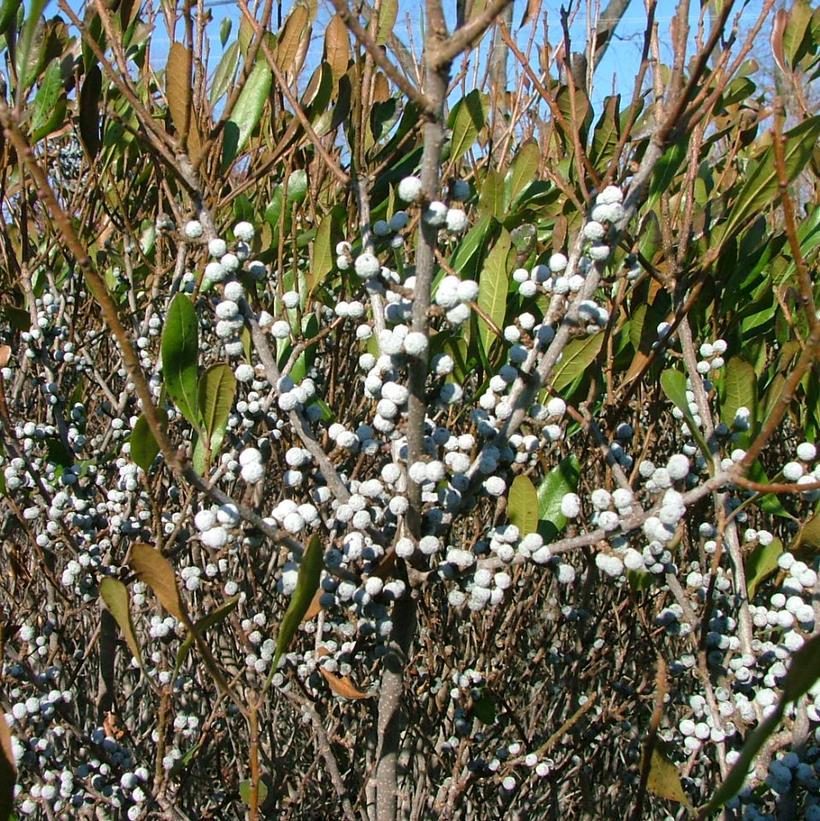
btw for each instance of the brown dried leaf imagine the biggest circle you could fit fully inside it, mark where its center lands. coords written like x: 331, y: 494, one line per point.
x: 155, y: 570
x: 342, y: 686
x: 5, y: 355
x: 8, y: 772
x: 781, y: 20
x: 293, y: 38
x: 314, y: 607
x: 178, y: 92
x: 381, y: 88
x: 337, y: 47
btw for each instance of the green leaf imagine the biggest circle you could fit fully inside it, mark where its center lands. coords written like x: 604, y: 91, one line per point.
x: 225, y: 31
x: 562, y: 479
x: 607, y: 133
x: 33, y: 21
x: 523, y: 171
x: 522, y: 505
x: 310, y: 570
x: 217, y: 389
x: 324, y: 247
x: 225, y: 72
x: 49, y: 103
x: 491, y: 198
x: 200, y: 626
x: 179, y: 350
x: 297, y: 185
x: 578, y: 356
x: 484, y: 709
x: 798, y: 25
x: 768, y: 502
x: 760, y: 564
x: 739, y: 389
x: 245, y: 792
x: 493, y: 284
x: 673, y: 384
x: 8, y: 13
x: 761, y: 186
x: 247, y: 112
x: 665, y: 171
x: 144, y: 447
x: 804, y: 670
x: 466, y: 119
x: 115, y: 595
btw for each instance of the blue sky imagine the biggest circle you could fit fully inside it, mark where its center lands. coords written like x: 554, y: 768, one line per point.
x: 616, y: 71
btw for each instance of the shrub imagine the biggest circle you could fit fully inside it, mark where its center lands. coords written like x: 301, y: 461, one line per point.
x: 377, y: 442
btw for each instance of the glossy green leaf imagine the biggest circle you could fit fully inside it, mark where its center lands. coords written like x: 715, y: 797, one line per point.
x: 225, y: 31
x: 323, y: 258
x: 760, y: 564
x: 144, y: 447
x: 297, y: 185
x: 216, y: 392
x: 562, y: 479
x: 49, y: 105
x: 115, y: 595
x: 522, y: 505
x: 673, y: 384
x: 607, y: 133
x: 579, y: 354
x: 797, y: 28
x: 523, y: 171
x: 179, y: 351
x: 738, y: 390
x: 466, y: 120
x: 761, y: 185
x: 225, y: 73
x: 200, y: 626
x: 310, y: 571
x: 247, y: 112
x: 8, y: 13
x: 493, y: 284
x: 33, y: 22
x: 491, y: 198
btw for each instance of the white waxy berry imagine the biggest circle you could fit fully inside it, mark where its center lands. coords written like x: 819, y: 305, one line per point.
x: 217, y: 247
x: 409, y: 189
x: 244, y: 231
x: 193, y: 229
x: 367, y: 265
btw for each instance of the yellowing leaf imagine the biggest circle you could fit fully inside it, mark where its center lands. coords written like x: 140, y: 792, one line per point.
x: 155, y: 570
x: 115, y: 595
x: 522, y: 505
x: 664, y: 779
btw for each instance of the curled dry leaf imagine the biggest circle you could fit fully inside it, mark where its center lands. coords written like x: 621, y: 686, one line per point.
x: 342, y: 686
